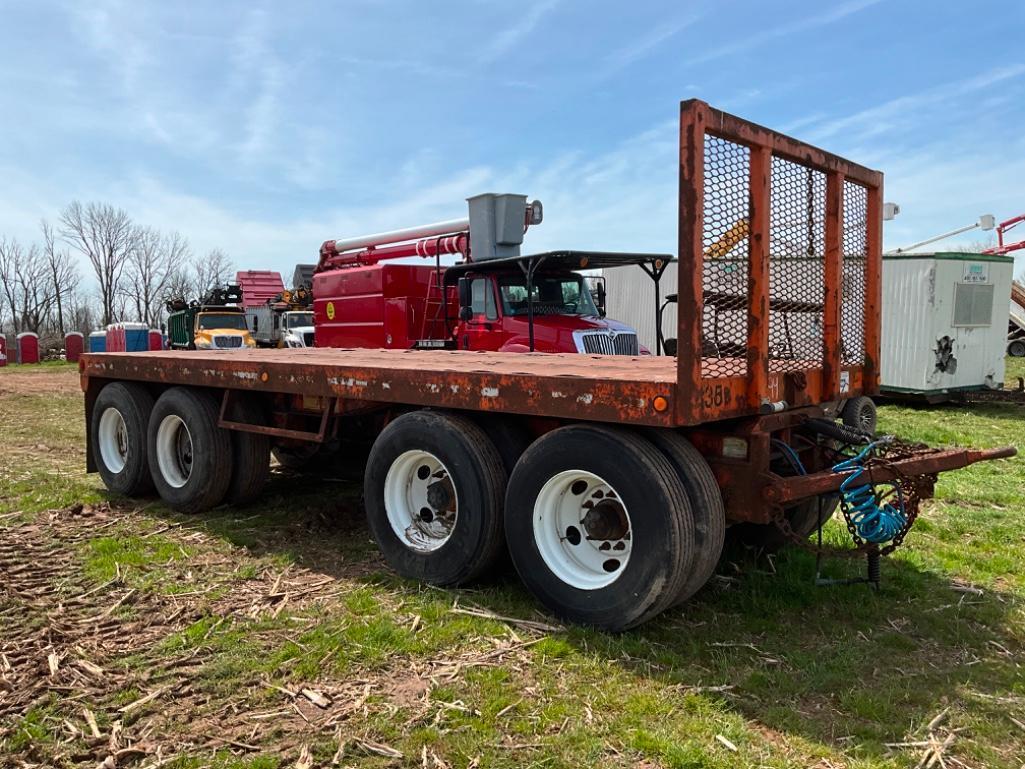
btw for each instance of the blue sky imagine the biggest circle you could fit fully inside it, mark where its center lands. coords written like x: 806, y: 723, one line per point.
x: 266, y: 128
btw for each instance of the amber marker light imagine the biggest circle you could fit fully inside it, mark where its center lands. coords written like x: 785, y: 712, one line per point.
x: 659, y: 403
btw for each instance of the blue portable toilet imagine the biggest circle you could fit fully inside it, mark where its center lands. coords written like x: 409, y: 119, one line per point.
x: 136, y: 337
x: 98, y: 341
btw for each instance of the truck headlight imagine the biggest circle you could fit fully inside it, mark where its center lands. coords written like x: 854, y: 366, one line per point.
x: 203, y: 344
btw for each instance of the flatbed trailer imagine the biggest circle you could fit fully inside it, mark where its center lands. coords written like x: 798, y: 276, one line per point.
x: 610, y: 479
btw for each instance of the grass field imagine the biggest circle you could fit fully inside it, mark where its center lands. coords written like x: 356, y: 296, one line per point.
x: 274, y: 635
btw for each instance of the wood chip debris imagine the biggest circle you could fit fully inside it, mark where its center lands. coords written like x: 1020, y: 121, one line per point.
x: 525, y: 624
x: 726, y: 743
x: 316, y: 698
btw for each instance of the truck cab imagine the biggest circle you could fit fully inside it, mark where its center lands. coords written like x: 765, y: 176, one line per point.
x: 221, y: 328
x: 297, y: 328
x: 566, y: 316
x: 492, y: 299
x: 207, y: 327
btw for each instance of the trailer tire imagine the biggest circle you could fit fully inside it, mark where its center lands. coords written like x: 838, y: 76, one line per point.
x: 645, y: 508
x: 1016, y: 349
x: 250, y: 452
x: 191, y: 455
x: 705, y: 502
x: 446, y: 531
x: 118, y: 435
x: 509, y: 436
x: 860, y: 413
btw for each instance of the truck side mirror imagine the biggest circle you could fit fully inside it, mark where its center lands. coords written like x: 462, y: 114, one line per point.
x: 601, y: 299
x: 465, y: 299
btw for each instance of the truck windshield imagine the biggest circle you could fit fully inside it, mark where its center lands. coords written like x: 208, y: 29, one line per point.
x: 298, y: 319
x: 553, y: 295
x: 215, y: 320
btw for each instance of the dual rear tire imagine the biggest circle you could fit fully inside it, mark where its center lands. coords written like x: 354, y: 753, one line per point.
x: 599, y: 521
x: 174, y: 444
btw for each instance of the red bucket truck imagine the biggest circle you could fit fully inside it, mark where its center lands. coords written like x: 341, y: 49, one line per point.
x: 494, y: 299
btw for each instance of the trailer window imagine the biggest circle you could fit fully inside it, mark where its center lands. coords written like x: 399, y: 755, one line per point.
x: 482, y: 299
x: 299, y: 319
x: 215, y: 320
x: 553, y: 295
x: 973, y: 304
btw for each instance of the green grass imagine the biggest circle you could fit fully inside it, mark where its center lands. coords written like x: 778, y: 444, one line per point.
x: 800, y: 675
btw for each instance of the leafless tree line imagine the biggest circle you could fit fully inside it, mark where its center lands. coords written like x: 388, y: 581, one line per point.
x: 136, y: 268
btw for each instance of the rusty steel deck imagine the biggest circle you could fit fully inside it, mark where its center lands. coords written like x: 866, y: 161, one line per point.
x: 601, y: 388
x: 605, y: 388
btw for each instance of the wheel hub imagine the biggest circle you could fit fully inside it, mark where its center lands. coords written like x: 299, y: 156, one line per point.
x: 421, y: 501
x: 606, y: 520
x: 174, y: 451
x: 113, y: 440
x: 582, y: 529
x: 440, y: 494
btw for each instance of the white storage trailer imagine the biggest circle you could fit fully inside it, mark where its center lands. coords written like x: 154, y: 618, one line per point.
x: 944, y: 322
x: 943, y: 318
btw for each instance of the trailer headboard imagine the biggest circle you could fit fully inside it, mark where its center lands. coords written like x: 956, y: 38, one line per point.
x: 779, y: 271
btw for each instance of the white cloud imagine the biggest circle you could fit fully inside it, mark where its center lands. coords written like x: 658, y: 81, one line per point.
x: 628, y: 54
x: 510, y: 37
x: 907, y: 109
x: 747, y: 42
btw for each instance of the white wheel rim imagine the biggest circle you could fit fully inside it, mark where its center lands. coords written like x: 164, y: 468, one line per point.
x: 113, y: 440
x: 421, y: 501
x: 582, y: 529
x: 174, y: 451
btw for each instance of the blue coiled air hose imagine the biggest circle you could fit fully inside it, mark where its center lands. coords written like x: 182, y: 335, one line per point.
x: 873, y: 522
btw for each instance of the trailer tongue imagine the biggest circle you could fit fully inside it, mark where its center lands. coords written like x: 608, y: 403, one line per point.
x: 610, y: 479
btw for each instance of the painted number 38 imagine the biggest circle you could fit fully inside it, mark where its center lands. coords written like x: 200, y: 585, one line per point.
x: 715, y: 396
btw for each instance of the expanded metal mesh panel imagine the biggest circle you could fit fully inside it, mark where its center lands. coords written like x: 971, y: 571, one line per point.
x: 724, y: 279
x: 797, y: 246
x: 855, y: 257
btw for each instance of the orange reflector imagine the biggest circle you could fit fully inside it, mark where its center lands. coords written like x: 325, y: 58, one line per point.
x: 264, y: 377
x: 659, y: 403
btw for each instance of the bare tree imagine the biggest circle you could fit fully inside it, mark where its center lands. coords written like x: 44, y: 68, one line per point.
x: 214, y: 269
x: 63, y: 273
x: 151, y: 267
x: 10, y: 259
x: 179, y: 284
x: 105, y: 235
x: 26, y: 286
x: 35, y: 290
x: 27, y: 289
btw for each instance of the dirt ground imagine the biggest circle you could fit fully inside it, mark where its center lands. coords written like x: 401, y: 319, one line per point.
x: 44, y: 379
x: 274, y: 636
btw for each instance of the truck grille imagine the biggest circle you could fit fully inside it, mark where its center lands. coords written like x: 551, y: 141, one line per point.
x: 308, y: 338
x: 223, y: 342
x: 604, y: 343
